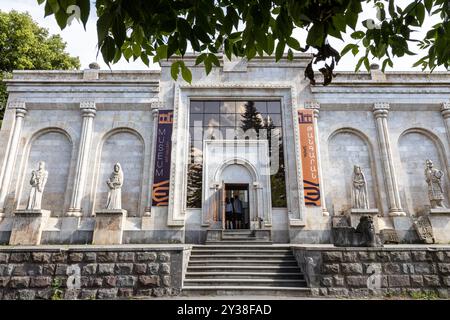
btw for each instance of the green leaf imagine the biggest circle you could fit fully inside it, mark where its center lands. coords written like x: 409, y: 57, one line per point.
x: 420, y: 12
x: 144, y: 59
x: 279, y: 50
x: 174, y: 70
x: 103, y: 25
x: 294, y: 44
x: 357, y: 35
x: 358, y: 65
x: 200, y: 59
x: 161, y: 52
x: 186, y: 73
x: 429, y: 5
x: 213, y: 58
x: 290, y: 55
x: 316, y: 35
x: 348, y: 47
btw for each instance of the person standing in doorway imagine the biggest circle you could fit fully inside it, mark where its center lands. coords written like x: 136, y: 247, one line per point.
x: 228, y: 214
x: 237, y: 206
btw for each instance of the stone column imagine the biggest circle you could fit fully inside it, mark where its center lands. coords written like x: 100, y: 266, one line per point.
x: 88, y: 111
x: 445, y: 112
x: 315, y: 106
x: 8, y: 168
x: 380, y: 112
x: 155, y: 111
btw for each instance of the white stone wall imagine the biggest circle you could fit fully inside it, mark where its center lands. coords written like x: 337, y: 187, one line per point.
x: 127, y: 149
x: 346, y: 149
x: 413, y: 129
x: 55, y: 149
x: 414, y: 149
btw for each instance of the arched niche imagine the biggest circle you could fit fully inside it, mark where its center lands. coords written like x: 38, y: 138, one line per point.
x: 124, y: 146
x: 415, y: 146
x: 346, y: 148
x: 54, y: 147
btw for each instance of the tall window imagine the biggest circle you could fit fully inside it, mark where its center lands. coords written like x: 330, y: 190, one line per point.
x: 213, y: 120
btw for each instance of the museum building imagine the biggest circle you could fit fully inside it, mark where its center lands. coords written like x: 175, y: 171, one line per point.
x: 123, y: 157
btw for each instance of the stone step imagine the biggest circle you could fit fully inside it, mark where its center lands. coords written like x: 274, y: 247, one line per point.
x: 244, y: 275
x: 196, y: 257
x: 240, y: 252
x: 261, y: 282
x: 238, y: 242
x: 242, y: 268
x: 232, y: 247
x: 244, y: 262
x: 245, y: 291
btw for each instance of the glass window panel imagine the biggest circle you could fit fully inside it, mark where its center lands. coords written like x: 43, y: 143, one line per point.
x: 196, y: 106
x: 273, y: 107
x: 196, y: 133
x: 240, y: 106
x: 228, y: 133
x: 228, y: 107
x: 261, y: 106
x: 212, y: 106
x: 196, y: 119
x: 211, y: 120
x: 227, y: 120
x: 212, y: 134
x: 275, y: 119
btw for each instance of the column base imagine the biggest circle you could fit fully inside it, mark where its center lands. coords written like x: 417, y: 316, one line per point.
x: 27, y: 227
x: 109, y: 227
x: 397, y: 214
x: 74, y: 212
x: 325, y: 212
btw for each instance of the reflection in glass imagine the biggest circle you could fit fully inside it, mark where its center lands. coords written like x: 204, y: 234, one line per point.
x: 236, y: 120
x: 211, y: 120
x: 228, y: 107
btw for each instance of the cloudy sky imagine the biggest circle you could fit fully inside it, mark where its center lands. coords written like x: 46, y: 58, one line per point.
x: 83, y: 43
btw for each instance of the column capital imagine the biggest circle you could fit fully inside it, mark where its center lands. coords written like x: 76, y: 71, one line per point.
x: 381, y: 109
x: 19, y: 106
x: 88, y: 109
x: 313, y: 105
x: 155, y: 107
x: 445, y: 109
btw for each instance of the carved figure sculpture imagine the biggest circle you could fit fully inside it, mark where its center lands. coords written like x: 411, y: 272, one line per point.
x: 115, y: 183
x: 38, y: 181
x: 366, y: 231
x: 433, y: 177
x: 360, y: 198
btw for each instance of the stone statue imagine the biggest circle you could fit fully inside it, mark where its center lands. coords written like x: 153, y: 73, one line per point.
x: 360, y: 199
x: 38, y: 181
x: 366, y: 231
x: 435, y: 191
x: 115, y: 183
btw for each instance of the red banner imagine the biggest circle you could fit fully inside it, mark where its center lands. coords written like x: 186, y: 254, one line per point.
x: 161, y: 180
x: 308, y: 155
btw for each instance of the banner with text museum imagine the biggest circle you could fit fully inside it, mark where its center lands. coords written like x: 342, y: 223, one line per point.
x: 308, y: 155
x: 161, y: 176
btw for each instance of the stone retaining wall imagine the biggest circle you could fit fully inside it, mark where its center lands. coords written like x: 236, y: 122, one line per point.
x: 388, y: 271
x: 90, y: 272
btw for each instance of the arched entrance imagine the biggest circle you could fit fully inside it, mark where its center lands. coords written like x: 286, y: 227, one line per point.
x: 236, y: 167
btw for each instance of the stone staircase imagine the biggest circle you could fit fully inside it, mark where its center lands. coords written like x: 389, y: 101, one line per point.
x: 240, y: 236
x: 243, y: 269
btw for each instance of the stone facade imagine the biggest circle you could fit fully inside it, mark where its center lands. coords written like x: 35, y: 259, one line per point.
x: 82, y: 122
x: 381, y: 272
x: 90, y: 273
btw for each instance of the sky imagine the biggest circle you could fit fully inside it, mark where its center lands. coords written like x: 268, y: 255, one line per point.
x: 83, y: 43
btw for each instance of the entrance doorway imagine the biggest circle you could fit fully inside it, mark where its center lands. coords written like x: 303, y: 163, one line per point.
x: 240, y: 221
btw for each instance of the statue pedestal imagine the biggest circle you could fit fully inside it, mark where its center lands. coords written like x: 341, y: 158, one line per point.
x: 109, y: 226
x: 436, y: 211
x: 27, y: 227
x: 356, y: 214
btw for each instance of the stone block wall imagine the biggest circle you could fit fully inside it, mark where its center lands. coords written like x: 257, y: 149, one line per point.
x: 388, y: 271
x: 90, y: 273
